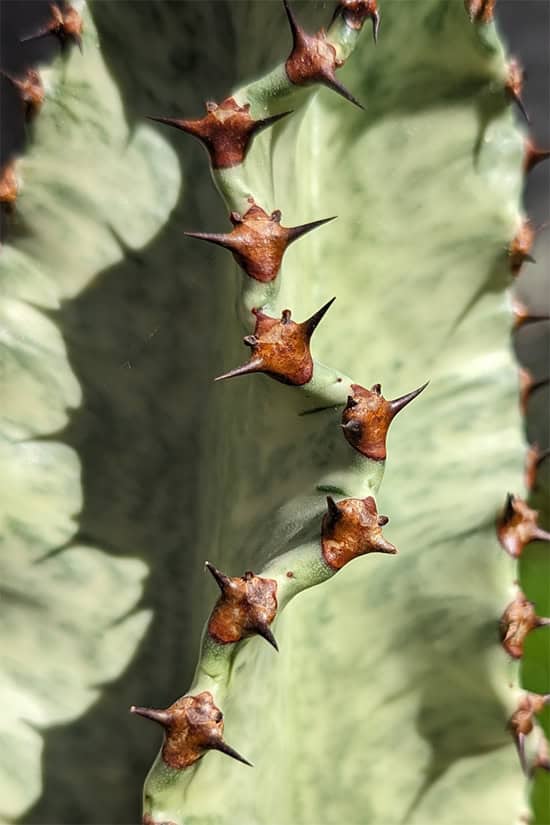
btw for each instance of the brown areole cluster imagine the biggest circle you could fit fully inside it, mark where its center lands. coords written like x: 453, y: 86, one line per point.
x: 313, y: 60
x: 517, y: 526
x: 247, y: 606
x: 351, y: 528
x: 192, y: 726
x: 65, y: 24
x: 30, y: 91
x: 355, y: 12
x: 226, y: 131
x: 258, y: 241
x: 517, y: 621
x: 367, y: 417
x: 280, y: 348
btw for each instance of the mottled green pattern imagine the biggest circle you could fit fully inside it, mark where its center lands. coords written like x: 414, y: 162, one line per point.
x: 388, y: 699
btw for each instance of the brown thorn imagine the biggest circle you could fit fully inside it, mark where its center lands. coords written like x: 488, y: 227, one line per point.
x: 295, y: 232
x: 312, y: 323
x: 264, y: 631
x: 399, y: 403
x: 265, y: 123
x: 256, y: 365
x: 332, y: 83
x: 514, y: 85
x: 295, y: 29
x: 221, y: 579
x: 334, y: 513
x: 223, y: 747
x: 162, y: 717
x: 375, y: 25
x: 355, y: 12
x: 212, y: 237
x: 533, y: 155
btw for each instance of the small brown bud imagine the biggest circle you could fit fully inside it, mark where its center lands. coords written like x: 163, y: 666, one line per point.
x: 258, y: 241
x: 517, y: 526
x: 280, y: 348
x: 516, y: 622
x: 192, y: 726
x: 513, y: 86
x: 65, y: 24
x: 226, y: 131
x: 355, y: 12
x: 367, y: 418
x: 247, y: 605
x: 480, y: 11
x: 519, y: 250
x: 30, y: 89
x: 533, y: 155
x: 351, y: 528
x: 8, y: 184
x: 313, y: 59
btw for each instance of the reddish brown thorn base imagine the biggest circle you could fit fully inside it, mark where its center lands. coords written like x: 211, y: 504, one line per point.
x: 8, y: 184
x: 226, y: 131
x: 192, y: 726
x: 513, y: 86
x: 519, y: 250
x: 280, y: 348
x: 521, y: 722
x: 355, y: 12
x: 258, y: 241
x: 247, y: 605
x: 517, y: 526
x: 30, y: 90
x: 516, y: 622
x: 65, y: 24
x: 533, y: 458
x: 313, y: 59
x: 351, y: 528
x: 367, y: 418
x: 533, y: 155
x: 480, y: 11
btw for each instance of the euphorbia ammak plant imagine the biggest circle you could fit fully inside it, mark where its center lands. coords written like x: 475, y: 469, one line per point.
x: 126, y: 467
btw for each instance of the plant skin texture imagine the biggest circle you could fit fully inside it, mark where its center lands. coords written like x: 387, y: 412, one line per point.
x: 386, y: 696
